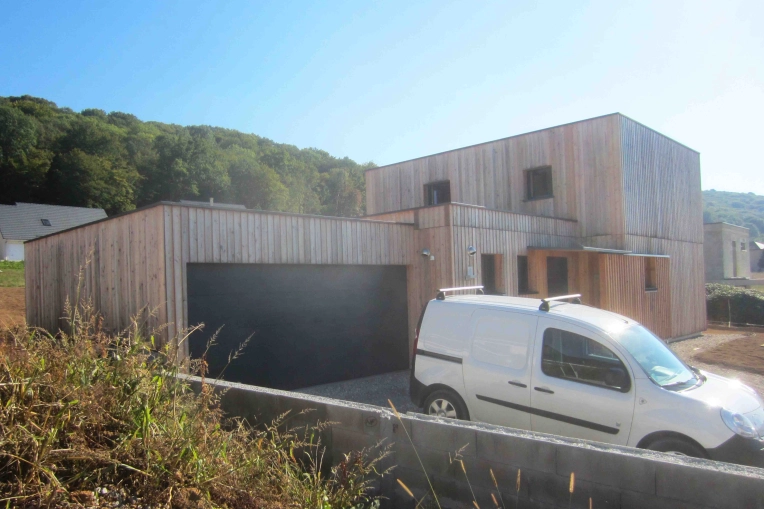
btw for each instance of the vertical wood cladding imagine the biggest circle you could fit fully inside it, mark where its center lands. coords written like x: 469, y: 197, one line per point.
x: 122, y: 265
x: 585, y: 158
x: 139, y: 259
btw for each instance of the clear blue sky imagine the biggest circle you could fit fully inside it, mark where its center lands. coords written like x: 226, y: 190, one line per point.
x: 390, y: 81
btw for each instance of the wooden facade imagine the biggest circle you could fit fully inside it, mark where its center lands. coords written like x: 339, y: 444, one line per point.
x: 619, y: 190
x: 139, y: 259
x: 617, y: 185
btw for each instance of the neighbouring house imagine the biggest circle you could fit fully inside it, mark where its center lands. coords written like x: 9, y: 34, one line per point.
x: 725, y: 249
x: 605, y: 207
x: 756, y: 254
x: 26, y: 221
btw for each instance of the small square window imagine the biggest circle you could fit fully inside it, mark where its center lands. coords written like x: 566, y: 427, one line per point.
x: 437, y: 192
x: 743, y: 245
x: 538, y: 183
x: 45, y: 222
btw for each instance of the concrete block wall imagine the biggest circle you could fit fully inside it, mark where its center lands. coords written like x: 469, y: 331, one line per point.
x: 612, y: 476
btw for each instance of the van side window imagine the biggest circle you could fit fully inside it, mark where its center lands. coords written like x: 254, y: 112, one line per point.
x: 580, y: 359
x: 500, y: 340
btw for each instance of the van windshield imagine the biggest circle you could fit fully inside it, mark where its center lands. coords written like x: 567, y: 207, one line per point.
x: 659, y: 362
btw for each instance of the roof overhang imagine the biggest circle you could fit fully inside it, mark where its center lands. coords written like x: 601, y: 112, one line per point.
x: 589, y: 249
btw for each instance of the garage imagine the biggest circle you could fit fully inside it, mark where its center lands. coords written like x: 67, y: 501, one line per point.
x: 310, y: 324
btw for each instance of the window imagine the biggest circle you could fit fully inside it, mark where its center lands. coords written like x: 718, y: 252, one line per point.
x: 523, y: 285
x: 743, y: 245
x: 492, y: 274
x: 437, y: 192
x: 577, y: 358
x: 650, y: 274
x: 538, y: 183
x: 45, y: 222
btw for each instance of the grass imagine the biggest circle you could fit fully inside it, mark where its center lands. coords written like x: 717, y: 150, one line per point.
x: 85, y: 409
x: 11, y: 274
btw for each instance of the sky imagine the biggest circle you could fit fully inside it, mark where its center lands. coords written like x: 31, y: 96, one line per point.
x: 391, y: 81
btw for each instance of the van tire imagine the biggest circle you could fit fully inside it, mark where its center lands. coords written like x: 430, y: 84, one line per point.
x: 445, y: 403
x: 673, y: 445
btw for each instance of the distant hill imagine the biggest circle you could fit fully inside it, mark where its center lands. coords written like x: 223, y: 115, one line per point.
x: 743, y: 209
x: 51, y: 154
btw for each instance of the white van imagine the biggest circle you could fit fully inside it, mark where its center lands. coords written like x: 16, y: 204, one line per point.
x: 577, y: 371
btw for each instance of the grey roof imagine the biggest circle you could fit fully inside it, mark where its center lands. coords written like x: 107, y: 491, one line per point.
x: 23, y: 221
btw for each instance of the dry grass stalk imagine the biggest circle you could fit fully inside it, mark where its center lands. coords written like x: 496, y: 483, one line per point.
x: 86, y: 408
x: 424, y: 470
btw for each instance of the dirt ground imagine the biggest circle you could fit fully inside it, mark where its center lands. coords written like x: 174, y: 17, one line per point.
x: 717, y: 351
x: 12, y: 306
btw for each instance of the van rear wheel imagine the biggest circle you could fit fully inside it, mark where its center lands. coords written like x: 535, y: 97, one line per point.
x: 444, y: 403
x: 677, y: 446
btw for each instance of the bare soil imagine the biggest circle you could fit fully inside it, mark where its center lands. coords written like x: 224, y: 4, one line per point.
x: 731, y: 354
x: 12, y: 306
x: 746, y: 354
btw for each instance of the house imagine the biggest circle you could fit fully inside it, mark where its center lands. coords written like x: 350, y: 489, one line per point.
x: 604, y: 207
x: 26, y: 221
x: 725, y: 248
x: 756, y: 254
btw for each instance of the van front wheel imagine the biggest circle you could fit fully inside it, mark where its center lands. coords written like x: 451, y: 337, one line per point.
x: 672, y: 445
x: 443, y: 403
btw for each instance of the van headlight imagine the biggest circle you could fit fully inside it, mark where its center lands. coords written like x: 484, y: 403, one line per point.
x: 739, y: 424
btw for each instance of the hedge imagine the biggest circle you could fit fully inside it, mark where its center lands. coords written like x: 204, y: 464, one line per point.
x: 726, y: 303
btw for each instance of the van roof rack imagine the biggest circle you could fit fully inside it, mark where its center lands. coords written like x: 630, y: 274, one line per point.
x: 442, y: 292
x: 574, y: 299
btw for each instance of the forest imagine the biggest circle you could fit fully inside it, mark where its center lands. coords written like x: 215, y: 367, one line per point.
x: 117, y: 162
x: 742, y: 209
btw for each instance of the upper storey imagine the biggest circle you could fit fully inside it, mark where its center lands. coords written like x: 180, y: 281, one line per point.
x: 611, y: 174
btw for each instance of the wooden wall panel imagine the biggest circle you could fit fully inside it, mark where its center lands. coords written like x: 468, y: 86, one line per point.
x: 687, y: 279
x: 661, y: 180
x: 622, y: 290
x: 585, y: 159
x: 122, y: 265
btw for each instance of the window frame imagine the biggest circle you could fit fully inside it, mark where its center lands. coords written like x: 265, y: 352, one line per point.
x: 429, y: 187
x: 45, y: 222
x: 530, y: 195
x: 527, y: 276
x: 627, y: 387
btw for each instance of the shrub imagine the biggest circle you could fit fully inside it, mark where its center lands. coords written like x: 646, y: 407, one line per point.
x: 726, y: 303
x: 85, y: 409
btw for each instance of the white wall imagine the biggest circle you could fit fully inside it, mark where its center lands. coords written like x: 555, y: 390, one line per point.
x: 11, y: 251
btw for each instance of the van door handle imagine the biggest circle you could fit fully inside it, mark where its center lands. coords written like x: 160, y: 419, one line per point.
x: 517, y: 384
x: 544, y: 389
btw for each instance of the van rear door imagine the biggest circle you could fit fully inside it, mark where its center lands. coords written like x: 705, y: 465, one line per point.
x: 497, y: 369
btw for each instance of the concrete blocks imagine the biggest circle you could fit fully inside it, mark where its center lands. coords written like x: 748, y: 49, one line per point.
x: 613, y: 476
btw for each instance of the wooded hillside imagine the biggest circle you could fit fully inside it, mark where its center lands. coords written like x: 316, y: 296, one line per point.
x: 117, y: 162
x: 742, y: 209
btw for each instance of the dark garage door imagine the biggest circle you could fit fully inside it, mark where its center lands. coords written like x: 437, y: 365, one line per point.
x: 312, y: 324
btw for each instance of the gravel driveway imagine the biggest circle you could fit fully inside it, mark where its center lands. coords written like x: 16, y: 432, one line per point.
x: 373, y: 390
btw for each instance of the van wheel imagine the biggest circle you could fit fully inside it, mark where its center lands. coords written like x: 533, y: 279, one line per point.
x: 444, y: 403
x: 677, y: 446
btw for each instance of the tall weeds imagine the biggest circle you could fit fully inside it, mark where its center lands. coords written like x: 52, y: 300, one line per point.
x: 86, y: 409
